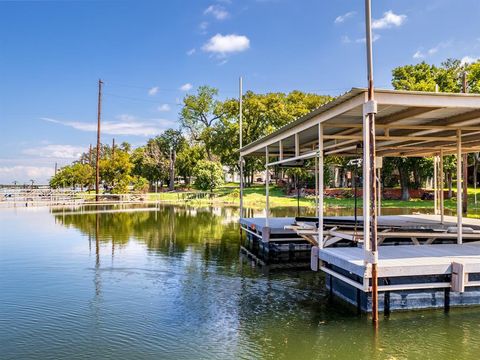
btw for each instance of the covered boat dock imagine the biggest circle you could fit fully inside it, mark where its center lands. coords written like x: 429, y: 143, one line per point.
x: 420, y: 259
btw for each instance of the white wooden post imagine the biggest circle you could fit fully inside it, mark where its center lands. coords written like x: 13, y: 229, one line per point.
x: 297, y: 144
x: 267, y: 181
x: 459, y: 187
x: 320, y: 185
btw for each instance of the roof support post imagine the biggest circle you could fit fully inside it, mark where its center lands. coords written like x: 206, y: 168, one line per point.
x: 459, y: 187
x: 442, y: 184
x: 435, y: 187
x: 320, y: 185
x: 280, y: 150
x: 267, y: 182
x: 297, y: 144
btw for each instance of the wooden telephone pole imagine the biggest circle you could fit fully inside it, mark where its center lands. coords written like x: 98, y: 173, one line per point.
x: 97, y: 160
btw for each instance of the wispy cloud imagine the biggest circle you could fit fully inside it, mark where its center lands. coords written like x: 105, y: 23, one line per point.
x: 186, y: 87
x: 421, y: 54
x: 153, y: 91
x: 23, y: 174
x: 125, y: 125
x: 164, y: 108
x: 375, y: 37
x: 203, y: 27
x: 191, y: 52
x: 226, y: 44
x: 469, y: 59
x: 389, y: 20
x: 217, y: 11
x: 55, y: 151
x: 340, y: 19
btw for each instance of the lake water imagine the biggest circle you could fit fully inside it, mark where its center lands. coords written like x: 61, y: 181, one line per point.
x: 169, y: 283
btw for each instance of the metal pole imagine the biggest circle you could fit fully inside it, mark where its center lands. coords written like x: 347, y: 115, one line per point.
x: 320, y: 186
x: 465, y: 157
x: 97, y: 160
x: 459, y: 187
x: 435, y: 187
x: 316, y: 186
x: 240, y: 117
x: 370, y: 113
x: 267, y: 181
x: 442, y: 183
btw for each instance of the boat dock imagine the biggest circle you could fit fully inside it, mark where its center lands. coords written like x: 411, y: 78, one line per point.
x: 374, y: 262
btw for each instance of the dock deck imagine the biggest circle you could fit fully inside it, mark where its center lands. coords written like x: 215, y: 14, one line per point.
x: 406, y: 260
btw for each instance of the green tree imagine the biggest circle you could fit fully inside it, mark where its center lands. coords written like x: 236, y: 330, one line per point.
x: 187, y: 159
x: 208, y: 175
x: 199, y: 114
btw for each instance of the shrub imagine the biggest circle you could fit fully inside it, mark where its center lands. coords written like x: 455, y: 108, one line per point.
x: 208, y: 175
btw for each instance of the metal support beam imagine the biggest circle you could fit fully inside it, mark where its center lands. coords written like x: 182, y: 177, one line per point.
x: 435, y: 187
x: 320, y: 185
x: 267, y: 183
x: 459, y: 187
x: 442, y: 184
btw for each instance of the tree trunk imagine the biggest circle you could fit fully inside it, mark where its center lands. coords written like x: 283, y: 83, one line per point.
x: 171, y: 185
x: 404, y: 183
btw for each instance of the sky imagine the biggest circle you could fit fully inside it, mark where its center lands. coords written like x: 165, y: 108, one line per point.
x: 150, y: 54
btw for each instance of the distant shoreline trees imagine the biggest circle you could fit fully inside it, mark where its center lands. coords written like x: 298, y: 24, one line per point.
x: 207, y: 139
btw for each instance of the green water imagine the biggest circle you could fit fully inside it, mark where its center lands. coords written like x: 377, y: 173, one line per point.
x: 169, y: 283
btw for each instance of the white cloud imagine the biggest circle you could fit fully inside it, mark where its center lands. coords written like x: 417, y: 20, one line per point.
x: 191, y: 52
x: 389, y: 19
x: 418, y: 55
x: 126, y: 125
x: 346, y: 39
x: 469, y: 60
x: 153, y: 91
x: 163, y: 108
x: 23, y: 174
x: 225, y: 44
x: 186, y: 87
x: 55, y: 151
x: 375, y: 37
x: 340, y: 19
x: 217, y: 11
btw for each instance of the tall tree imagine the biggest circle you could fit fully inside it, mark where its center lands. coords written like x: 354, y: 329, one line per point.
x: 199, y: 114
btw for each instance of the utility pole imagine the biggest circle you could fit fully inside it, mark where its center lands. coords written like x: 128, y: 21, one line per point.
x: 56, y: 168
x: 370, y: 111
x: 97, y: 160
x: 90, y: 155
x: 113, y: 149
x: 465, y: 157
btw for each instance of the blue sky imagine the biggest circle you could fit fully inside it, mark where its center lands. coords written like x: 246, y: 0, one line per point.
x: 151, y: 53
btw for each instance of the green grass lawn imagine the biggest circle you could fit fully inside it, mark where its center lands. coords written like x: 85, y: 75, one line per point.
x: 255, y: 197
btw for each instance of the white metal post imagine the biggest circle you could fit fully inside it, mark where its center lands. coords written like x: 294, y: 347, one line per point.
x: 240, y: 125
x: 366, y: 188
x: 442, y: 182
x: 320, y: 185
x: 316, y: 186
x: 459, y: 187
x: 267, y: 181
x: 435, y: 187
